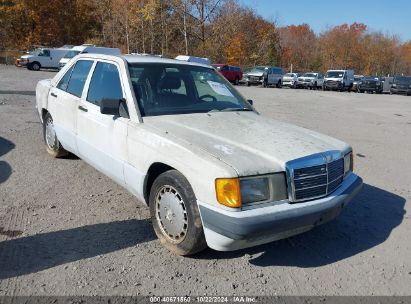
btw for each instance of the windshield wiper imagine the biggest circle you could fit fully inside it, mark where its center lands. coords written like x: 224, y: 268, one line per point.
x: 230, y: 110
x: 235, y: 109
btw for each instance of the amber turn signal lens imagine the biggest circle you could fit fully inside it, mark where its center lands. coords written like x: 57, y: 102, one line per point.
x: 228, y: 192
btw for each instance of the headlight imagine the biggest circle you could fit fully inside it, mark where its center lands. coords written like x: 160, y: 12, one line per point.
x: 254, y: 190
x: 236, y: 192
x: 348, y: 163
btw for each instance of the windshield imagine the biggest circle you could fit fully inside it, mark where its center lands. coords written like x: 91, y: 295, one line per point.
x: 402, y: 80
x: 71, y: 54
x: 257, y: 69
x: 309, y: 75
x: 289, y: 75
x: 335, y: 74
x: 169, y: 89
x: 40, y: 52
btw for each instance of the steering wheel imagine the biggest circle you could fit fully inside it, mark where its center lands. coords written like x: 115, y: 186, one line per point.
x: 207, y: 96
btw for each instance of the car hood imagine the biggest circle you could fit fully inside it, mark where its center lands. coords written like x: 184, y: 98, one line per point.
x: 255, y: 74
x: 246, y: 141
x: 305, y: 77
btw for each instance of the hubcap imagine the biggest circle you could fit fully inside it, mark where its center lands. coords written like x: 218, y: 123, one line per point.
x: 171, y: 214
x: 50, y: 133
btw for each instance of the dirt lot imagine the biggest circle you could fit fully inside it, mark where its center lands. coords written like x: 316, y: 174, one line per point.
x: 65, y: 229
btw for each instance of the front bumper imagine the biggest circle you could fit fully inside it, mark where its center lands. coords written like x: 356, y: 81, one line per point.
x: 401, y: 91
x: 288, y: 83
x: 230, y: 230
x: 304, y: 84
x: 333, y: 85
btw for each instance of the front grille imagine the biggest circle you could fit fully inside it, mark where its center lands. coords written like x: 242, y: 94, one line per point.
x: 317, y: 181
x: 332, y: 83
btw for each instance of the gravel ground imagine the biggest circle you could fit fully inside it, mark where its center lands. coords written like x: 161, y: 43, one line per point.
x: 65, y: 229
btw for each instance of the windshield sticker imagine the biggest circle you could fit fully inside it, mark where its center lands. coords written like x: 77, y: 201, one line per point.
x: 220, y: 88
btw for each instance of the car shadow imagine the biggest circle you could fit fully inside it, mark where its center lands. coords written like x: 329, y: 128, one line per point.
x: 5, y: 169
x: 27, y: 93
x: 38, y: 252
x: 365, y: 223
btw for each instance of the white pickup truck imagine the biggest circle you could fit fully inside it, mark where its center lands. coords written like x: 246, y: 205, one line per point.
x: 181, y: 139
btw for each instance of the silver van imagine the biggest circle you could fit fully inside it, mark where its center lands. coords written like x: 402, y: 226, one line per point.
x: 273, y: 76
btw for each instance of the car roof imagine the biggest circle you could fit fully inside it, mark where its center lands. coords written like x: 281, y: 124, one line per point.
x: 141, y: 59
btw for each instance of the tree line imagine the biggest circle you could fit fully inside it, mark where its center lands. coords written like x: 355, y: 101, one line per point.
x: 222, y: 30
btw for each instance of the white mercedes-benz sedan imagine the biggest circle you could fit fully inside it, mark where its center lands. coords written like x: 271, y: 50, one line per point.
x: 178, y: 136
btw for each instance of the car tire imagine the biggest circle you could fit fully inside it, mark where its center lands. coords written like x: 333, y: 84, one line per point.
x: 248, y: 84
x: 35, y: 66
x: 53, y: 145
x: 171, y: 196
x: 279, y: 84
x: 236, y: 81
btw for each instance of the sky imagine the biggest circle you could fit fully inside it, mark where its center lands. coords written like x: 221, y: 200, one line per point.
x: 389, y: 17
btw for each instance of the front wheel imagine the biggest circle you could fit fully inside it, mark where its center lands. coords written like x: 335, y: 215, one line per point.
x: 53, y: 146
x: 175, y: 215
x: 35, y: 66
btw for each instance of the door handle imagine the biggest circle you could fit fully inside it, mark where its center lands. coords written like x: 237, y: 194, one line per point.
x: 54, y: 95
x: 82, y: 108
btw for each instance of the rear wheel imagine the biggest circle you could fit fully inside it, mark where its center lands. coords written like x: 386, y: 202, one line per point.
x: 54, y: 147
x: 279, y: 85
x: 175, y: 215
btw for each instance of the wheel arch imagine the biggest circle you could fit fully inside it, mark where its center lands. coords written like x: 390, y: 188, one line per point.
x: 155, y: 170
x: 43, y: 113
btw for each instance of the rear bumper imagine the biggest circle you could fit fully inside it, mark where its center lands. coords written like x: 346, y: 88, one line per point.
x: 228, y: 230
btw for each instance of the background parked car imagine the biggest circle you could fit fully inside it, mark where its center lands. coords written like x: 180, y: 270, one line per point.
x: 231, y: 73
x: 87, y: 48
x: 357, y: 79
x: 311, y: 80
x: 43, y: 58
x: 290, y: 80
x: 370, y: 84
x: 273, y: 76
x: 253, y: 76
x: 401, y: 85
x: 338, y: 80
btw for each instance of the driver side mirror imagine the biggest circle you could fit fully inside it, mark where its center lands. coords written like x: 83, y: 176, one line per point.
x: 250, y: 101
x: 116, y: 107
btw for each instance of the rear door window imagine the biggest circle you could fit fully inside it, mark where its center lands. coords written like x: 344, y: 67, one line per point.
x: 63, y: 83
x: 105, y: 84
x: 78, y: 77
